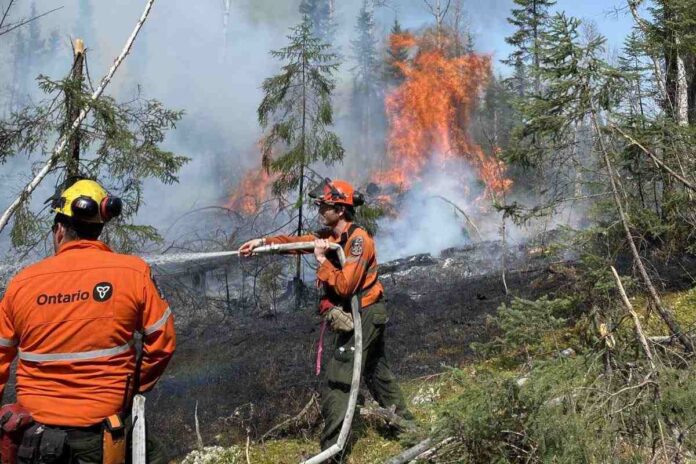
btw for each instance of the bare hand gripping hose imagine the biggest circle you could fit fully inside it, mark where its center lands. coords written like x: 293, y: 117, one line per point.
x: 357, y: 335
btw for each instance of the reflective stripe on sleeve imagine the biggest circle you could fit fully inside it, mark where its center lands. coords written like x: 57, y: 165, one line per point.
x: 77, y: 356
x: 157, y: 325
x: 7, y: 342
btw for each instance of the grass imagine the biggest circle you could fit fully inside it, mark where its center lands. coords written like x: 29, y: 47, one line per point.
x: 431, y: 393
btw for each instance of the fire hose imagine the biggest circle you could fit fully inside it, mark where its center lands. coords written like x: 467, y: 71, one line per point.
x: 139, y: 437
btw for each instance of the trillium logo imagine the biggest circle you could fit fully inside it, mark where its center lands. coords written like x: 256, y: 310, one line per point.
x: 102, y: 291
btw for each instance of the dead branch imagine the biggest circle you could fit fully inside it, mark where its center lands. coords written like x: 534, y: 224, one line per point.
x: 665, y: 313
x: 199, y: 438
x: 412, y: 453
x: 11, y: 27
x: 63, y: 141
x: 248, y: 442
x: 383, y: 416
x: 636, y: 321
x: 655, y: 159
x: 4, y: 15
x: 466, y: 216
x: 661, y: 339
x: 293, y: 420
x: 424, y: 448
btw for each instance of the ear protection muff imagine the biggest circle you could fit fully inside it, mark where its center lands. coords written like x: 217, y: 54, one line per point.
x: 110, y: 208
x: 84, y: 208
x: 358, y: 198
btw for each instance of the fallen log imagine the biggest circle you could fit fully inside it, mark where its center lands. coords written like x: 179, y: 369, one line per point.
x: 422, y: 449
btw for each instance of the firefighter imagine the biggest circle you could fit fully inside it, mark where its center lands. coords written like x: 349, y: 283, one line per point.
x: 71, y: 320
x: 337, y: 201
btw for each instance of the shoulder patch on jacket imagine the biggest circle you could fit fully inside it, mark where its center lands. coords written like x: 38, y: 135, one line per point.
x: 356, y: 246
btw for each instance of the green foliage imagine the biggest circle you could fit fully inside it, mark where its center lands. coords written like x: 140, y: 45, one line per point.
x: 530, y: 20
x: 321, y: 18
x: 523, y: 328
x: 367, y: 100
x: 396, y: 53
x: 502, y: 418
x: 368, y: 216
x: 296, y: 110
x: 120, y: 146
x: 30, y: 229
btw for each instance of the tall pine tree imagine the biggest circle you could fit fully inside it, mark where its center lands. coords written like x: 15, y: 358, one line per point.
x: 367, y: 107
x: 296, y: 113
x: 529, y: 20
x: 396, y: 53
x: 321, y: 15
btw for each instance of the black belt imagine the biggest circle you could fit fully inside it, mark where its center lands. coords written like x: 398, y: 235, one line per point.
x: 75, y: 433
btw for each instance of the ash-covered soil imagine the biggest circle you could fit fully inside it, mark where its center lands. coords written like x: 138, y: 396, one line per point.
x: 247, y: 373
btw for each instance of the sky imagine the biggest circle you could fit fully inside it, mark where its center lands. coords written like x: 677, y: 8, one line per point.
x: 178, y: 59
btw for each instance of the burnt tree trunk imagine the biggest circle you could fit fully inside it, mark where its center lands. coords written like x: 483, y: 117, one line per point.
x: 73, y: 109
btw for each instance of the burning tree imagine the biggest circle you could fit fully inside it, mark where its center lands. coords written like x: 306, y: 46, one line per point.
x: 296, y: 111
x: 430, y: 112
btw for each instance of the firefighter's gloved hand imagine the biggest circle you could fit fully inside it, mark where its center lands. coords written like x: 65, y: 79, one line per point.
x: 321, y: 246
x: 247, y: 248
x: 340, y: 320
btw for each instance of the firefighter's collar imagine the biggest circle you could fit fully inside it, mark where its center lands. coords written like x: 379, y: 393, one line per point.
x: 82, y: 245
x: 343, y: 236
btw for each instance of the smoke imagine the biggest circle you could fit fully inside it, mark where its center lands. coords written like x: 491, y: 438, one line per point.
x: 183, y: 59
x: 426, y: 221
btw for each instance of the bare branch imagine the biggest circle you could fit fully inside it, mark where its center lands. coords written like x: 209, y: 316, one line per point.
x: 655, y: 159
x: 4, y: 15
x: 636, y: 321
x: 12, y: 27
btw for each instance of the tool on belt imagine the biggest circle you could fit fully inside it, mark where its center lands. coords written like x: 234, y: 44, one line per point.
x: 114, y: 440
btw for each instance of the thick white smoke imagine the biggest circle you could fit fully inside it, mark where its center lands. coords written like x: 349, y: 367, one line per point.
x: 427, y: 222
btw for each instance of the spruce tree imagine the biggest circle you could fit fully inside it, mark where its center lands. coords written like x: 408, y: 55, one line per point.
x: 321, y: 15
x: 396, y: 53
x: 296, y: 113
x: 367, y: 107
x: 529, y: 20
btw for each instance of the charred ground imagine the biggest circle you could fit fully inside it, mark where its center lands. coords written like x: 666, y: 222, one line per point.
x: 247, y: 373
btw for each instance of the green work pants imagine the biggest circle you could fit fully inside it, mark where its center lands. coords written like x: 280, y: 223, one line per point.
x: 86, y: 447
x: 375, y: 370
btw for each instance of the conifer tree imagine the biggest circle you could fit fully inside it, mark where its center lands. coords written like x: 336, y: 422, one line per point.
x: 296, y: 113
x: 396, y: 53
x: 529, y: 20
x: 367, y: 107
x: 120, y: 149
x: 321, y: 15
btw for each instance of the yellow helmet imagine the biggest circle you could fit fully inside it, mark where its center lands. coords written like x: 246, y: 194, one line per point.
x: 87, y: 201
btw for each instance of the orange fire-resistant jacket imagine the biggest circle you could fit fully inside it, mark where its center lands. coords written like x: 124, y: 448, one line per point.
x: 360, y: 270
x: 71, y: 319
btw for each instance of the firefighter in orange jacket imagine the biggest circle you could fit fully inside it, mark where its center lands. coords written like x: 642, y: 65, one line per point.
x: 337, y: 201
x: 71, y: 320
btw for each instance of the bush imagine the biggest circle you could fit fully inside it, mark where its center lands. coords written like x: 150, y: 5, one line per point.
x: 526, y: 328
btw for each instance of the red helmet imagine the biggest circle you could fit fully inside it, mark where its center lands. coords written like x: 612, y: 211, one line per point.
x: 336, y: 192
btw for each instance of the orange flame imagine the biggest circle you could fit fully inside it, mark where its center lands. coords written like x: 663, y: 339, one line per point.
x: 430, y: 112
x: 251, y: 192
